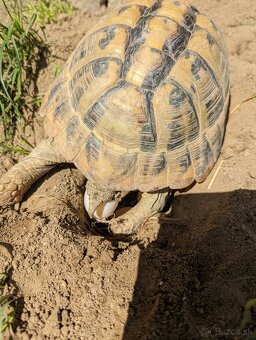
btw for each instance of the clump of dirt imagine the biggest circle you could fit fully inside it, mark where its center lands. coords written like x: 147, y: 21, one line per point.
x: 185, y: 276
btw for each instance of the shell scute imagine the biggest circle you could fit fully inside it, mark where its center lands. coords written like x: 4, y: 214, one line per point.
x: 89, y: 83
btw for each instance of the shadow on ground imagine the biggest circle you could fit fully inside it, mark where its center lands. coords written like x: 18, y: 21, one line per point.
x: 194, y: 280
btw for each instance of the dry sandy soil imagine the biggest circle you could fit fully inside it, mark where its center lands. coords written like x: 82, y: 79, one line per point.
x: 184, y: 277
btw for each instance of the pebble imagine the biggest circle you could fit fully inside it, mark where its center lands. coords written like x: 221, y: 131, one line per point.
x: 252, y: 174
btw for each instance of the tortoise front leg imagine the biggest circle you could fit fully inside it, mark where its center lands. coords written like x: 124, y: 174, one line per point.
x: 21, y: 176
x: 150, y: 204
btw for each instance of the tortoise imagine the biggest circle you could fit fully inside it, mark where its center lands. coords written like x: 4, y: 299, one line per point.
x: 141, y: 104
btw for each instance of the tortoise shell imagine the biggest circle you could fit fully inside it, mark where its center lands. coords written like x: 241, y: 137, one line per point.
x: 142, y: 101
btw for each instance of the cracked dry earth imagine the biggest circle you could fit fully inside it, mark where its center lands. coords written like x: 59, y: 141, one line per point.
x: 184, y: 277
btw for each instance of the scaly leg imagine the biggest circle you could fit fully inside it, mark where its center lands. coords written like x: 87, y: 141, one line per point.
x: 150, y: 204
x: 21, y: 176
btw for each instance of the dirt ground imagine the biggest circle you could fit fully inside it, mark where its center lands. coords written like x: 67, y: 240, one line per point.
x: 184, y: 277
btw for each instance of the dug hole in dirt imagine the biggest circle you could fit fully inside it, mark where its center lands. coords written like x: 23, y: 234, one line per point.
x: 185, y: 277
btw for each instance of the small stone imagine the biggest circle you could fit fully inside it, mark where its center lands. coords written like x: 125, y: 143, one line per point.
x: 11, y: 186
x: 6, y: 196
x: 65, y: 317
x: 37, y: 260
x: 65, y: 330
x: 7, y: 163
x: 63, y: 283
x: 19, y: 181
x: 5, y: 180
x: 252, y: 174
x: 34, y: 318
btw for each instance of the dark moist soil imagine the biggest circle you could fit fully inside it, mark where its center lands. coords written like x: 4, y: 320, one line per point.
x: 186, y: 276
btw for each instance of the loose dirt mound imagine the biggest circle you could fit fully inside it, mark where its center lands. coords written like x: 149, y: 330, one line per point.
x: 184, y: 277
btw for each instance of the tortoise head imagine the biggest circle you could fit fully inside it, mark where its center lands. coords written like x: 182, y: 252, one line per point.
x: 99, y: 203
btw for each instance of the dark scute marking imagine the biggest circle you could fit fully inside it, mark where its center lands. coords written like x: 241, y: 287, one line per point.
x: 177, y: 97
x: 127, y: 165
x: 79, y: 53
x: 71, y: 128
x: 155, y: 50
x: 206, y: 156
x: 60, y: 111
x: 123, y: 9
x: 157, y: 167
x: 213, y: 24
x: 210, y: 39
x: 110, y: 32
x: 218, y: 140
x: 177, y: 136
x: 97, y: 110
x: 201, y: 63
x: 120, y: 84
x: 208, y: 104
x: 53, y: 91
x: 177, y: 3
x: 147, y: 144
x: 78, y: 91
x: 187, y: 54
x: 82, y: 54
x: 141, y: 9
x: 146, y: 167
x: 136, y: 39
x: 137, y: 36
x: 129, y: 54
x: 227, y: 87
x: 153, y: 8
x: 214, y: 109
x: 92, y: 147
x: 176, y: 44
x: 148, y: 131
x: 197, y: 66
x: 77, y: 76
x: 160, y: 164
x: 94, y: 114
x: 156, y: 76
x: 100, y: 67
x: 194, y: 9
x: 207, y: 151
x: 185, y: 161
x: 193, y: 88
x: 189, y: 20
x: 77, y: 56
x: 193, y: 132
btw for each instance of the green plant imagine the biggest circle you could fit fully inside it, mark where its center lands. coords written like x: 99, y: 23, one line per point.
x: 247, y: 323
x: 19, y: 45
x: 56, y: 69
x: 48, y: 10
x: 6, y: 309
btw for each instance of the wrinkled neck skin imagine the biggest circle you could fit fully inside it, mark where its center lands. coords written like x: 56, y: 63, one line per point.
x: 100, y: 203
